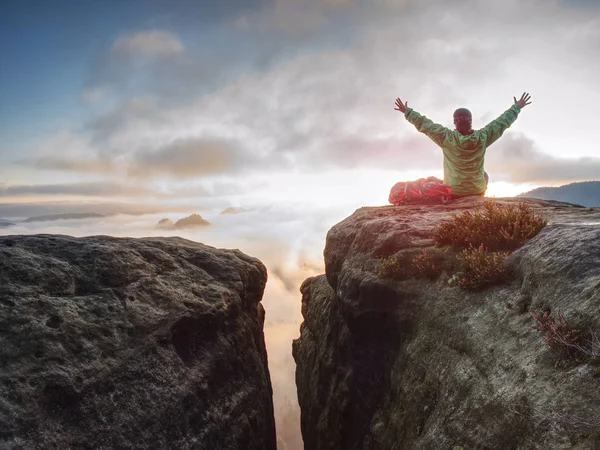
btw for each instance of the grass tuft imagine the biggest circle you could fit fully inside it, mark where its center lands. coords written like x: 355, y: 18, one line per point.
x: 481, y: 268
x: 403, y: 266
x: 392, y: 268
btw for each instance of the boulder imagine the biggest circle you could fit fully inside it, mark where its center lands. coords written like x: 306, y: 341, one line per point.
x: 110, y: 343
x: 414, y: 363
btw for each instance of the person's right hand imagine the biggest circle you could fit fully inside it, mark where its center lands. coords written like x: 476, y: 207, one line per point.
x: 523, y: 101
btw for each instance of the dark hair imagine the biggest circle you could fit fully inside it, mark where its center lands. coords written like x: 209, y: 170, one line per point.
x: 462, y: 112
x: 462, y: 121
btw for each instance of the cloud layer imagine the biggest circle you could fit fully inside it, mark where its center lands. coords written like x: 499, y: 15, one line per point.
x: 316, y: 93
x: 156, y: 43
x: 516, y: 158
x: 99, y: 189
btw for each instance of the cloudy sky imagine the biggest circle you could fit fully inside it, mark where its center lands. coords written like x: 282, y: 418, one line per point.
x: 265, y: 101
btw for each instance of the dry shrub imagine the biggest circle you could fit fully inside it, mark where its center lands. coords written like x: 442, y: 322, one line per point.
x: 498, y: 226
x: 562, y: 340
x: 420, y: 265
x: 391, y: 267
x: 481, y: 268
x: 426, y: 265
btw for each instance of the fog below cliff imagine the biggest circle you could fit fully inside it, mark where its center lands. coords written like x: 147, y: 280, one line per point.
x: 288, y: 239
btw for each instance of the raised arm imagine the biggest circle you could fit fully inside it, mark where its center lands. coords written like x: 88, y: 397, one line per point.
x: 436, y: 132
x: 496, y: 128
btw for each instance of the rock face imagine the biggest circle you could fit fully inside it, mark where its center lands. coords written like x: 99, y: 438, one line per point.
x: 420, y: 364
x: 110, y: 343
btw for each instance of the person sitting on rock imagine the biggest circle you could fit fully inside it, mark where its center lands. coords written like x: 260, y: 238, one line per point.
x: 464, y: 148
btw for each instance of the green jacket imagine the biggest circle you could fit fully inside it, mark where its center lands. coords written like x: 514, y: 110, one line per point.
x: 463, y: 155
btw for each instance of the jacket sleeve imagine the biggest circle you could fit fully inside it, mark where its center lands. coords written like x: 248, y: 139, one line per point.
x: 495, y: 128
x: 436, y: 132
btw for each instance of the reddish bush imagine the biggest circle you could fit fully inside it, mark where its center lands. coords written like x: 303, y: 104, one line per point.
x: 426, y: 265
x: 562, y: 340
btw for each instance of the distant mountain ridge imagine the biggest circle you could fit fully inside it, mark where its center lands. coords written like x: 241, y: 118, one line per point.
x: 585, y: 193
x: 53, y: 217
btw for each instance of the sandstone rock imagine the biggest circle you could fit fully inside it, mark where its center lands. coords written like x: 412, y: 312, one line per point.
x: 418, y: 364
x: 110, y: 343
x: 192, y: 221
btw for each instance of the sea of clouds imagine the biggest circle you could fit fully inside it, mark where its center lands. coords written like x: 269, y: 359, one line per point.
x: 288, y: 238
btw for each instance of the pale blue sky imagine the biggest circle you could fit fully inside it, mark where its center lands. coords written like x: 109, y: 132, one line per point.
x: 52, y: 50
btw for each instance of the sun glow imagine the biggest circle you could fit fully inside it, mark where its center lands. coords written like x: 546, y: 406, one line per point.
x: 504, y: 189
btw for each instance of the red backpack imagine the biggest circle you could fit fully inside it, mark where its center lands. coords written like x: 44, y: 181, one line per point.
x: 428, y: 191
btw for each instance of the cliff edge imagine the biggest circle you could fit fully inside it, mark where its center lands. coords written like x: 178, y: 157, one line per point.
x: 421, y: 363
x: 131, y: 343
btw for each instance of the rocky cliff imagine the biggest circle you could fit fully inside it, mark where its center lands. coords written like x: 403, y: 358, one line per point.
x: 110, y: 343
x: 416, y: 363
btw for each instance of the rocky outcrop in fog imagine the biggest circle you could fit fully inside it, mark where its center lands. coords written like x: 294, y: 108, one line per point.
x: 165, y: 224
x: 189, y: 222
x: 112, y: 343
x: 192, y: 221
x: 233, y: 210
x: 413, y: 363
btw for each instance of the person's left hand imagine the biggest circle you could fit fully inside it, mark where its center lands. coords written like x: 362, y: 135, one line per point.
x: 401, y: 106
